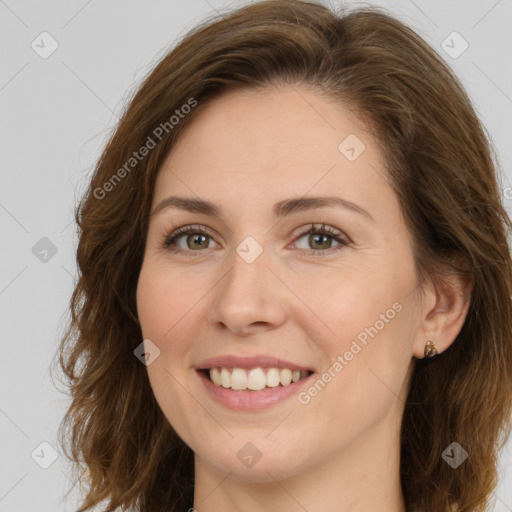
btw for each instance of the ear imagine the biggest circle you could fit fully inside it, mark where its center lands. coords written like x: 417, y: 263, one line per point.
x: 447, y: 300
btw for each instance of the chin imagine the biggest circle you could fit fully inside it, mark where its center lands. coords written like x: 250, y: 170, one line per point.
x: 245, y: 462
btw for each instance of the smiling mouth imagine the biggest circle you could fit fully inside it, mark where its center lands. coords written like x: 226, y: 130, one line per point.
x: 254, y: 379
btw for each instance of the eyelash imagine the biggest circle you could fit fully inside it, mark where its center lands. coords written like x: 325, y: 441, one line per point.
x: 170, y: 239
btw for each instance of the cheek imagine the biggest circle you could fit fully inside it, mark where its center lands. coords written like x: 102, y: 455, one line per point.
x: 370, y: 347
x: 363, y: 385
x: 347, y: 303
x: 169, y: 305
x: 162, y: 301
x: 160, y: 309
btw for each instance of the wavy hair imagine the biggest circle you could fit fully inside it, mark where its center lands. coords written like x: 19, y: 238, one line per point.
x: 444, y: 171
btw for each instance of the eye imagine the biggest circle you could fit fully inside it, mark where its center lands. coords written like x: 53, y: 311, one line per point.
x: 319, y: 238
x: 196, y: 237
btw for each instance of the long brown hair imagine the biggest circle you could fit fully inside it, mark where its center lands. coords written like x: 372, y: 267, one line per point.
x: 443, y: 169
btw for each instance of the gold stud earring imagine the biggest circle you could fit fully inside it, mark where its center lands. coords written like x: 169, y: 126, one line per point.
x: 430, y: 349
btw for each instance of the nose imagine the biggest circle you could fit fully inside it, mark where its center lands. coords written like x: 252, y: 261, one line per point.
x: 249, y: 298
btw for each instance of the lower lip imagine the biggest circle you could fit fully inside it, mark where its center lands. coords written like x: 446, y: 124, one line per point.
x: 251, y: 400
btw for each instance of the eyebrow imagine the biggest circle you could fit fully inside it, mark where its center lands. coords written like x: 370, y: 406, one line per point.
x: 280, y: 209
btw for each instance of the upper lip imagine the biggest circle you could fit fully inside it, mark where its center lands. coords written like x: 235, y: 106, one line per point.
x: 262, y: 361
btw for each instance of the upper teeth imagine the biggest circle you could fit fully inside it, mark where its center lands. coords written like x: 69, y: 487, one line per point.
x: 254, y: 379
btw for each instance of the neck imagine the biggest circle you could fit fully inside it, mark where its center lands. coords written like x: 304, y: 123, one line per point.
x: 363, y: 476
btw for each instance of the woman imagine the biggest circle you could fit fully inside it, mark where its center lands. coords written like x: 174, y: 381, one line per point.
x: 295, y: 288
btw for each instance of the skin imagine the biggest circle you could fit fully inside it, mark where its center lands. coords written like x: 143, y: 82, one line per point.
x: 245, y: 151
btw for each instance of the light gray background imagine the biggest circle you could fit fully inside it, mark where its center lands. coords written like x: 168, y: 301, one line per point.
x: 56, y: 114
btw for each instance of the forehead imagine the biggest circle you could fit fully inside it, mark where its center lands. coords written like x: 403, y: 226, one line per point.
x: 273, y: 143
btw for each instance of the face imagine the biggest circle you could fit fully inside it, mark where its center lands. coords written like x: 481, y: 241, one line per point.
x: 327, y: 289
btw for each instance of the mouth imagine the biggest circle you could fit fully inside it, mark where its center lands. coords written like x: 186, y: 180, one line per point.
x: 252, y: 383
x: 253, y: 379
